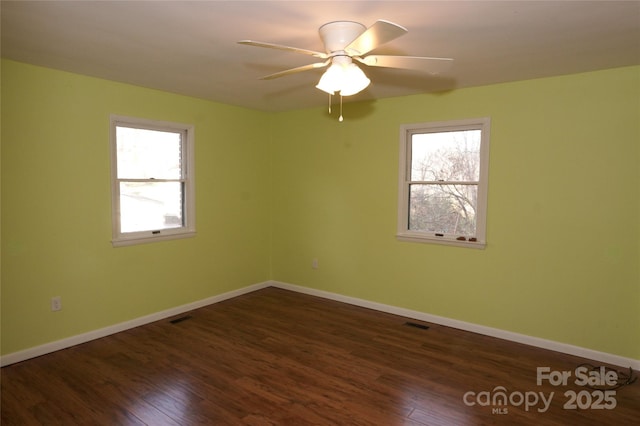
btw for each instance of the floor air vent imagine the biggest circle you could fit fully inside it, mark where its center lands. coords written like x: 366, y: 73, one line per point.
x: 177, y: 320
x: 416, y: 325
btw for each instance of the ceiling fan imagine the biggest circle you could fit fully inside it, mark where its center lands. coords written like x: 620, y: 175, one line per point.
x: 345, y: 41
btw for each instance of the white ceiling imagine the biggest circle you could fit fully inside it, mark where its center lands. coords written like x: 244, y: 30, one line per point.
x: 189, y: 47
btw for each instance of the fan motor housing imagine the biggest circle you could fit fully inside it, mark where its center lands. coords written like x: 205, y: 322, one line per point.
x: 338, y: 34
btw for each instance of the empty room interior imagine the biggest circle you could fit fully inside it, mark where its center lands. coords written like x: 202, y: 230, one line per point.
x: 297, y: 253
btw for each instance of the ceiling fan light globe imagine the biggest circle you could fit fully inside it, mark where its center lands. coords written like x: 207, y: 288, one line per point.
x: 354, y: 81
x: 331, y: 80
x: 325, y: 89
x: 343, y: 76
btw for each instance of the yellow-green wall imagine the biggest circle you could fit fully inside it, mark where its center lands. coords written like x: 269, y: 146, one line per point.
x: 275, y: 191
x: 56, y: 207
x: 561, y: 261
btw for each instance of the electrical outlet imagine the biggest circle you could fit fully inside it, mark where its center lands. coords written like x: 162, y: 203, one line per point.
x: 56, y: 303
x: 314, y: 263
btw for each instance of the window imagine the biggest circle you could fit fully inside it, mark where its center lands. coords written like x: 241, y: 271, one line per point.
x: 443, y: 182
x: 152, y: 180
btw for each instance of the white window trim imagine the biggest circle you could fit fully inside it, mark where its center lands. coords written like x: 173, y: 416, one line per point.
x: 406, y: 130
x: 189, y: 230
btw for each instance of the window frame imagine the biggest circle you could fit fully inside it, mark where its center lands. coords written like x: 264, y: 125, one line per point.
x: 406, y: 132
x: 188, y: 178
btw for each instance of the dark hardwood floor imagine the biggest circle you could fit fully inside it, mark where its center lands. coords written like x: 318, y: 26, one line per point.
x: 275, y: 357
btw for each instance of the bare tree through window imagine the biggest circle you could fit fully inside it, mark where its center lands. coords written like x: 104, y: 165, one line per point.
x: 445, y: 170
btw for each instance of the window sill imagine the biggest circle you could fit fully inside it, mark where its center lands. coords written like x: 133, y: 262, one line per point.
x: 420, y: 238
x: 131, y: 241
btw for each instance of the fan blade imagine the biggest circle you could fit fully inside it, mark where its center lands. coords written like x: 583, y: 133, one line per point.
x: 379, y: 33
x: 286, y: 48
x: 419, y: 63
x: 295, y: 70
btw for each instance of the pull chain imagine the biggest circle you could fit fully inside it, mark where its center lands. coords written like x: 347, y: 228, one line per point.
x: 339, y: 118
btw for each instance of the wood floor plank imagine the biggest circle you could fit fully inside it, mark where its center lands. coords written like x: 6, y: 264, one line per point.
x: 275, y: 357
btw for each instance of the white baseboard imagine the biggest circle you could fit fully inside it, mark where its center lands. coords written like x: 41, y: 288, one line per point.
x: 466, y: 326
x: 475, y: 328
x: 36, y: 351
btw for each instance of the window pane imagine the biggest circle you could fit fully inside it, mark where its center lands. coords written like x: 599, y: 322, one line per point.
x: 446, y: 156
x: 146, y: 154
x: 446, y: 209
x: 146, y: 206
